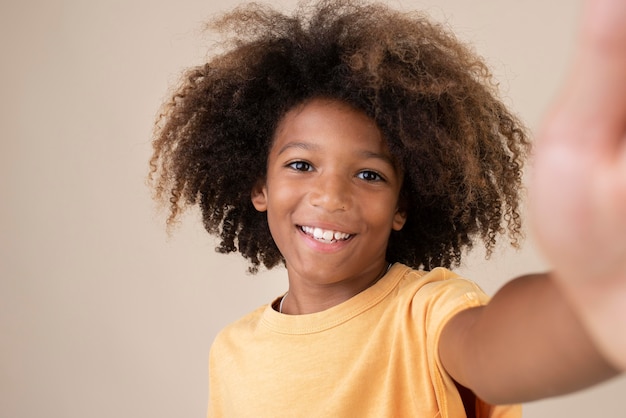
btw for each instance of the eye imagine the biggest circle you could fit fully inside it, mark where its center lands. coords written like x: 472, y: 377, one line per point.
x: 300, y: 166
x: 370, y: 176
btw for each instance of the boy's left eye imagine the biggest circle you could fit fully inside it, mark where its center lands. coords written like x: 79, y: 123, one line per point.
x: 368, y: 175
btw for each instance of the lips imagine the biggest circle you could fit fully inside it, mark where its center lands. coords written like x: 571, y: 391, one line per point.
x: 325, y: 235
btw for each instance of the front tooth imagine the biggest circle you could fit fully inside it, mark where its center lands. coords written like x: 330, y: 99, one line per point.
x: 328, y: 235
x: 318, y: 233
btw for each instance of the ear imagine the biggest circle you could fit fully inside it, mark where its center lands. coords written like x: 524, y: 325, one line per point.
x: 259, y: 196
x: 399, y: 219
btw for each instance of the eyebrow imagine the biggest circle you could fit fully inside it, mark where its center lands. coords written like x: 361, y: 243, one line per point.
x: 307, y: 146
x: 369, y: 154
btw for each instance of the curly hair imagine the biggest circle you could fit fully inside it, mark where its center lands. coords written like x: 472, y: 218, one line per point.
x: 460, y: 149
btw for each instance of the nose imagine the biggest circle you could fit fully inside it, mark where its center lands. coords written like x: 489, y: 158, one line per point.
x: 331, y: 192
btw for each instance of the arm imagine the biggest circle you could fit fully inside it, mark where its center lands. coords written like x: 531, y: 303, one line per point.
x: 544, y: 335
x: 578, y: 199
x: 526, y: 344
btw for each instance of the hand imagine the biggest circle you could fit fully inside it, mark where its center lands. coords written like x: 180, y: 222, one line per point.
x: 578, y: 189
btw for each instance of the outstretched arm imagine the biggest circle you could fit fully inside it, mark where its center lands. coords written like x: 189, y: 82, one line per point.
x: 526, y: 344
x: 545, y: 335
x: 578, y: 200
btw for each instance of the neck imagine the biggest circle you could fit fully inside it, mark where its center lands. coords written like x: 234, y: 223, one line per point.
x: 306, y: 297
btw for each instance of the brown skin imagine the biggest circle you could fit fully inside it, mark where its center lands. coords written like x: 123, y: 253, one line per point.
x: 460, y: 149
x: 329, y: 168
x: 581, y: 228
x: 526, y: 344
x: 541, y: 335
x: 550, y: 334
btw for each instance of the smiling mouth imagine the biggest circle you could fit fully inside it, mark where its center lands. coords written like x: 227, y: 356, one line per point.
x: 325, y: 235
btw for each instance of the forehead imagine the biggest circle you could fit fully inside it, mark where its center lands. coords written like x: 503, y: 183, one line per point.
x: 322, y: 119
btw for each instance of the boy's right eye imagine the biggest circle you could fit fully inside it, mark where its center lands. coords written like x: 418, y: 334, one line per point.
x: 300, y: 166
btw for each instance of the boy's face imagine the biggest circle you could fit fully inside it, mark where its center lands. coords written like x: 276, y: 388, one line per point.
x: 331, y: 194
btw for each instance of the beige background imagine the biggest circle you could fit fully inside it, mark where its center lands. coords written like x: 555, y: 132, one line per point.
x: 103, y: 315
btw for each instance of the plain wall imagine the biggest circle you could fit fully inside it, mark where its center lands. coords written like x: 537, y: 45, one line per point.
x: 101, y: 313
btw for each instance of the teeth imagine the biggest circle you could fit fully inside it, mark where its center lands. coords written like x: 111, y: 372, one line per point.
x: 324, y: 234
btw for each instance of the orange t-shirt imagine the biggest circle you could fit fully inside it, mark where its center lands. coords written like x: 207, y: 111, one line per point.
x: 375, y: 355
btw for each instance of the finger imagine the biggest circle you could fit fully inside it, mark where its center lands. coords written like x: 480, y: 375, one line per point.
x: 593, y: 104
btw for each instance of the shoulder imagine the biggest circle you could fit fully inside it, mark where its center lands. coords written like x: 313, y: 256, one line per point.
x: 432, y: 298
x: 440, y: 283
x: 238, y: 332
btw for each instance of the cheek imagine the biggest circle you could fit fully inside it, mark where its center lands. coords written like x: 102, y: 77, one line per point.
x: 282, y: 196
x: 383, y: 212
x: 281, y: 203
x: 275, y: 222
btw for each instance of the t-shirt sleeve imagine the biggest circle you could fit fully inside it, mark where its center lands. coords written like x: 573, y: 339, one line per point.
x: 442, y: 298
